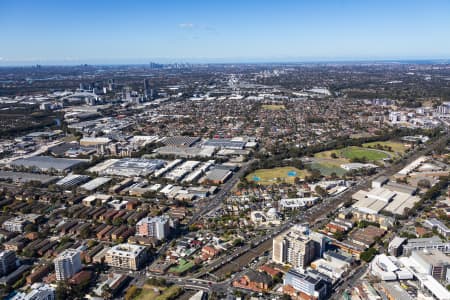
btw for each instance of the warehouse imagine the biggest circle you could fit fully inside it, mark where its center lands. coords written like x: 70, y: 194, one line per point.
x: 46, y: 163
x: 218, y: 176
x: 185, y: 152
x: 180, y: 141
x: 224, y: 144
x: 22, y: 177
x: 128, y: 167
x: 72, y: 180
x: 95, y: 183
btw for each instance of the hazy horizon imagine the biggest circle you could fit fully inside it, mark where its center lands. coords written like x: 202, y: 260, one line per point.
x: 115, y: 32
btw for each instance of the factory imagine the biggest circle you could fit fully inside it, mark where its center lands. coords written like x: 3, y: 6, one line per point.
x: 128, y: 167
x: 47, y: 163
x: 392, y: 197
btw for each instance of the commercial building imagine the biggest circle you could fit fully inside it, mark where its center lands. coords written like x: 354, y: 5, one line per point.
x: 395, y: 247
x: 295, y: 203
x: 421, y: 244
x: 441, y: 228
x: 7, y: 262
x: 426, y: 281
x: 67, y: 264
x: 309, y: 285
x: 434, y: 262
x: 156, y: 227
x: 39, y: 291
x: 389, y: 268
x: 126, y: 256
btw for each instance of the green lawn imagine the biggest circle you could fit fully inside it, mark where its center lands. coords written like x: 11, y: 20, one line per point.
x: 275, y: 175
x: 391, y: 146
x: 182, y: 267
x: 359, y: 152
x: 353, y: 152
x: 327, y: 169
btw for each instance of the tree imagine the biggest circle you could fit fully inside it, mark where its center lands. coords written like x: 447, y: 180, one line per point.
x: 132, y: 292
x: 320, y: 191
x: 30, y: 227
x: 368, y: 254
x: 424, y: 183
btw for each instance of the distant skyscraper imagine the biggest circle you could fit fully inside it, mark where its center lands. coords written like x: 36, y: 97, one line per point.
x: 149, y: 92
x: 67, y: 264
x: 146, y: 89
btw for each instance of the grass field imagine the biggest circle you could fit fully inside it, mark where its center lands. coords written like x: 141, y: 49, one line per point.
x: 327, y: 169
x: 271, y: 176
x: 396, y: 147
x: 354, y: 152
x: 182, y: 267
x: 149, y: 292
x: 273, y: 107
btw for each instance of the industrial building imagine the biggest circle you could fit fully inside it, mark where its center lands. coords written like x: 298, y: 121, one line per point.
x: 128, y: 167
x: 72, y: 180
x: 47, y: 163
x: 95, y: 183
x: 392, y: 197
x: 224, y: 144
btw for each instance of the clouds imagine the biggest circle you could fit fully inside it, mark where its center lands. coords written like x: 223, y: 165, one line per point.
x: 186, y: 25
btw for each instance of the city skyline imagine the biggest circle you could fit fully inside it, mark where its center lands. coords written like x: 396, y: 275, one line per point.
x: 199, y: 31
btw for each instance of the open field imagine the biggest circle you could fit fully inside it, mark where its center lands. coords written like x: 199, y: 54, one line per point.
x: 149, y: 292
x: 354, y: 153
x: 281, y: 174
x: 390, y: 146
x: 327, y: 168
x: 273, y: 107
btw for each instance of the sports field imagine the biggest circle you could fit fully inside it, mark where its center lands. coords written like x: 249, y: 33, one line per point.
x: 276, y: 175
x: 354, y: 153
x: 273, y: 106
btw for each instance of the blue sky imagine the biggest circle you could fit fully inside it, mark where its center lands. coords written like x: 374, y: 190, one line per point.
x: 97, y: 31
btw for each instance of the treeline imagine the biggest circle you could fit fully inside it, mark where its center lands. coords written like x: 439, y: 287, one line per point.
x: 283, y: 151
